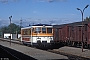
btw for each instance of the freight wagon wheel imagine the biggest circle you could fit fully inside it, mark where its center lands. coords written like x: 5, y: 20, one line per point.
x: 85, y: 45
x: 88, y: 46
x: 75, y: 44
x: 38, y: 44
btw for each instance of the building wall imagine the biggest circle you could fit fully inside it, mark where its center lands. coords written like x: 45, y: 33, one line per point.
x: 13, y: 36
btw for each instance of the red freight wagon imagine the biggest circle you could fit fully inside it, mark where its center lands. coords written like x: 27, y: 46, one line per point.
x: 71, y: 33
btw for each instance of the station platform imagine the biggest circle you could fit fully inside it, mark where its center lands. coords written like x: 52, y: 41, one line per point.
x: 33, y: 52
x: 74, y: 51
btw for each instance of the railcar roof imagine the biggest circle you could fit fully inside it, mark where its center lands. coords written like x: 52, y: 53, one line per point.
x: 26, y: 27
x: 72, y: 24
x: 37, y: 25
x: 78, y: 23
x: 59, y: 26
x: 41, y: 25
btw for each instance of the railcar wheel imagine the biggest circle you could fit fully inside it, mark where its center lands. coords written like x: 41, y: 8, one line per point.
x: 24, y: 43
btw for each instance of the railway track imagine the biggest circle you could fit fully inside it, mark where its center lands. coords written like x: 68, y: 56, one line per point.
x: 12, y: 41
x: 6, y: 55
x: 70, y: 56
x: 10, y: 54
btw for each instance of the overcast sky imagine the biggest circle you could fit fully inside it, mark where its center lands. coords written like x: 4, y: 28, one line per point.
x: 42, y: 11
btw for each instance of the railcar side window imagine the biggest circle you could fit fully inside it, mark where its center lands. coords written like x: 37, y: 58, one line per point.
x: 43, y: 30
x: 28, y: 31
x: 49, y: 30
x: 25, y: 32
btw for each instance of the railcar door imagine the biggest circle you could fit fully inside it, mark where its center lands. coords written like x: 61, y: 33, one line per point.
x: 37, y: 37
x: 56, y: 34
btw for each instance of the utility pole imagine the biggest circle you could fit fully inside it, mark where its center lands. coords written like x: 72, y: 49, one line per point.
x: 20, y: 23
x: 10, y: 29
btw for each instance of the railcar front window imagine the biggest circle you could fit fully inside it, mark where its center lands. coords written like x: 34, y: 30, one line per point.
x: 43, y: 30
x: 49, y: 30
x: 33, y: 30
x: 38, y: 30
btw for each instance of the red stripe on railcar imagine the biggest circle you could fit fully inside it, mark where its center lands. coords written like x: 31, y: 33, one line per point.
x: 26, y: 39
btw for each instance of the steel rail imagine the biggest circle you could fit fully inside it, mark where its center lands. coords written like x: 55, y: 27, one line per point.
x: 10, y: 53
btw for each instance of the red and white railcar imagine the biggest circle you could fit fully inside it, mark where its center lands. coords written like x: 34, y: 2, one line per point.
x: 39, y: 34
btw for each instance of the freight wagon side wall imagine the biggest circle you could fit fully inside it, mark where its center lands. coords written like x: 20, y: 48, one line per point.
x: 78, y: 34
x: 65, y: 33
x: 61, y: 33
x: 88, y: 33
x: 86, y: 28
x: 75, y: 33
x: 70, y: 33
x: 55, y: 34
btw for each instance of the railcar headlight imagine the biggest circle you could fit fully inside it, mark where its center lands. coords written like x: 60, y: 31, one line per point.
x: 38, y: 38
x: 50, y: 38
